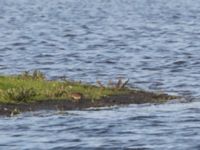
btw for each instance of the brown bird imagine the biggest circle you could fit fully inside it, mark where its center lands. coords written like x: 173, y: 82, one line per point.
x: 76, y: 96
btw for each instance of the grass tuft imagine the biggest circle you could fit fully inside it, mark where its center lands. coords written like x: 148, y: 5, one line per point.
x: 35, y: 75
x: 19, y: 94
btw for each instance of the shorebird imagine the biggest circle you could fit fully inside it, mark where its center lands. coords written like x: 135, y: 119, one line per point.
x: 76, y: 96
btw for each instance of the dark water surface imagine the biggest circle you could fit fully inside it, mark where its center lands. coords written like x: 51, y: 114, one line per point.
x: 154, y: 43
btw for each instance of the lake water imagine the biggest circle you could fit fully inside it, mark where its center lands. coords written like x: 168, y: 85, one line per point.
x: 154, y: 43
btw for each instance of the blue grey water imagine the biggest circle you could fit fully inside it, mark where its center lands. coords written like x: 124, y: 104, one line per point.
x: 154, y: 43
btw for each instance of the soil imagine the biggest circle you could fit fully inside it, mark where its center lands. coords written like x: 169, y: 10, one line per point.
x: 138, y: 97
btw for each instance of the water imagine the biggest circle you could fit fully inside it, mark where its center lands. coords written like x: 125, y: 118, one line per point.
x: 154, y: 43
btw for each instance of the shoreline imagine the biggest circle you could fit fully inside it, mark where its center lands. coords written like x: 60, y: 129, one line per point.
x: 31, y: 91
x: 140, y: 97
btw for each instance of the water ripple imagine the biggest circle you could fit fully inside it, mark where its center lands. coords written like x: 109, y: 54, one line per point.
x: 154, y: 43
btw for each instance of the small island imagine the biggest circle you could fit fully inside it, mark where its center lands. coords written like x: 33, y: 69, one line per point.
x: 31, y: 91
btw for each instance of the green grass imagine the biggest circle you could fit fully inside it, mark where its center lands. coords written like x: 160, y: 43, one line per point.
x: 31, y: 87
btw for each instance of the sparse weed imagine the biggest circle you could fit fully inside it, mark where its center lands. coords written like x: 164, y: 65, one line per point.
x: 35, y: 75
x: 38, y: 75
x: 118, y: 85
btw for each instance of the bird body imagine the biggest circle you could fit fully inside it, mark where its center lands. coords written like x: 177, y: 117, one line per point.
x: 76, y: 96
